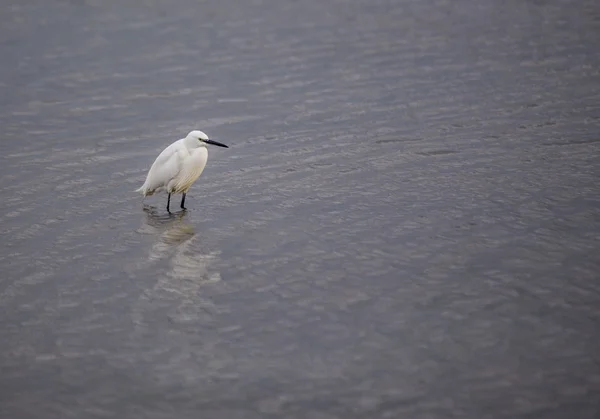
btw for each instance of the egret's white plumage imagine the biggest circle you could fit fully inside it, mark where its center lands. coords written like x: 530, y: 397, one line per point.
x: 178, y: 166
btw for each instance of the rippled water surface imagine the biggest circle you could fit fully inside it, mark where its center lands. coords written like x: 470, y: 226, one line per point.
x: 406, y: 223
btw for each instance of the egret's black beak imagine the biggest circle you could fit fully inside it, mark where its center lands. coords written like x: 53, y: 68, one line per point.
x: 215, y: 143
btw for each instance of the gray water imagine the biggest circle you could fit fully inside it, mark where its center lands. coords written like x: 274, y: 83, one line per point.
x: 406, y: 223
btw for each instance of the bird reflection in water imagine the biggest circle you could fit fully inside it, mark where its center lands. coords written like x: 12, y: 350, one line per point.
x: 171, y: 226
x: 180, y: 245
x: 181, y: 265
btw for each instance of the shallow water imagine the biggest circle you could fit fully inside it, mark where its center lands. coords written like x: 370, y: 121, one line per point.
x: 407, y: 223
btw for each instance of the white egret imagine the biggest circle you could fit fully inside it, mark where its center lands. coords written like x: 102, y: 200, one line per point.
x: 178, y: 166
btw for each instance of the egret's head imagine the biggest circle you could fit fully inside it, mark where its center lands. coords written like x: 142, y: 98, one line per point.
x: 203, y: 138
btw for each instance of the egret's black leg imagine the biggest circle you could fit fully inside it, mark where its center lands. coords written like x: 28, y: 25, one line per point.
x: 183, y: 201
x: 168, y: 203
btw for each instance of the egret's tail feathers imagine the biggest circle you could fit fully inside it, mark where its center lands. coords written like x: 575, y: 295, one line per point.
x: 145, y: 191
x: 142, y: 190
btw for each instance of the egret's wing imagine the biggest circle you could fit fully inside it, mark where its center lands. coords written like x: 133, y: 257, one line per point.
x: 166, y: 167
x: 191, y: 168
